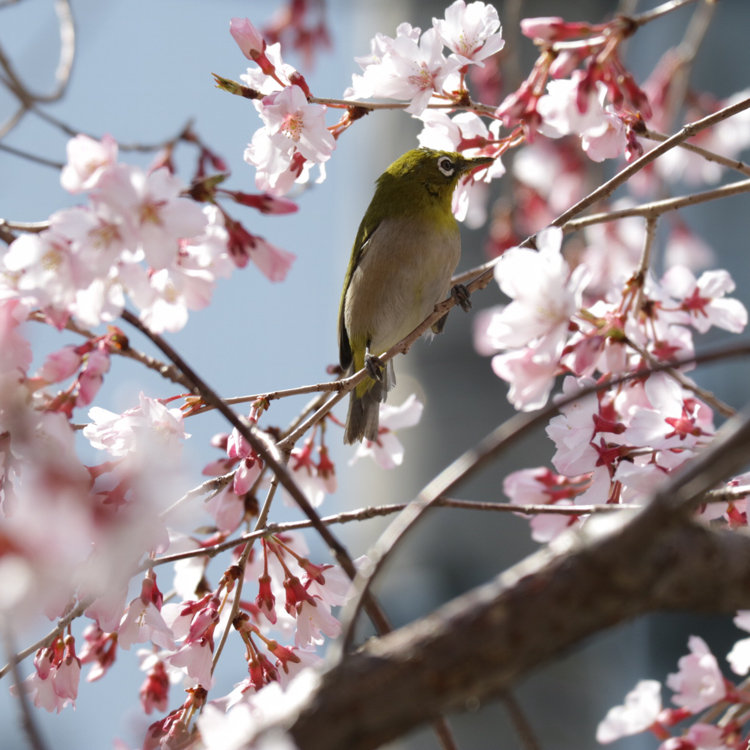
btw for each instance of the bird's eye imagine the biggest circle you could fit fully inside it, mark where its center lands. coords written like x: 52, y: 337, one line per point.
x: 446, y: 166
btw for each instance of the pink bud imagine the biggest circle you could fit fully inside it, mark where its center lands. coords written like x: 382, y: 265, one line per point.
x: 248, y: 38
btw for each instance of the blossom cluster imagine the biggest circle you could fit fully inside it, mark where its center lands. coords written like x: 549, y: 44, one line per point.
x: 139, y: 237
x: 75, y: 536
x: 698, y: 685
x: 613, y: 445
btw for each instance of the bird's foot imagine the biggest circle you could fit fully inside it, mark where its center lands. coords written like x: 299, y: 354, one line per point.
x: 462, y: 297
x: 374, y: 366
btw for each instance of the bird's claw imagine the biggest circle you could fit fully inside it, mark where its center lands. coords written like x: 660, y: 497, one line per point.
x: 462, y: 297
x: 374, y: 366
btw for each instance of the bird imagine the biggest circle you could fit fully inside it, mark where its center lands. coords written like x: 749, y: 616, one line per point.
x: 405, y: 252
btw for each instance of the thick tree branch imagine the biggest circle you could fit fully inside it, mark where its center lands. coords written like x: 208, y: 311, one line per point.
x: 480, y: 645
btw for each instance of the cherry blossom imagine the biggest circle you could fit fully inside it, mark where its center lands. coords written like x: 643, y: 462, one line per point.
x: 294, y: 135
x: 88, y: 159
x: 154, y: 692
x: 387, y: 451
x: 739, y: 656
x: 704, y: 299
x: 409, y: 67
x: 472, y: 32
x: 195, y: 657
x: 248, y: 38
x: 142, y: 620
x: 536, y: 319
x: 699, y: 683
x: 601, y: 130
x: 640, y: 710
x: 699, y: 737
x: 121, y: 434
x: 314, y: 479
x: 54, y: 683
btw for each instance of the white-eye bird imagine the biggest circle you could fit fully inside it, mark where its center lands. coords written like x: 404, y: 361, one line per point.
x: 407, y: 248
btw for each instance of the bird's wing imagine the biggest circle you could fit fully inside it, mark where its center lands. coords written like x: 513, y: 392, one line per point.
x: 361, y: 244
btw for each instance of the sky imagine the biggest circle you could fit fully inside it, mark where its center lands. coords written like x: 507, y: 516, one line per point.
x: 143, y: 69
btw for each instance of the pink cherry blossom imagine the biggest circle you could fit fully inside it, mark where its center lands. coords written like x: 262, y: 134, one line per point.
x: 739, y: 656
x: 96, y: 364
x: 154, y: 692
x: 537, y: 318
x: 409, y: 67
x: 314, y: 483
x: 54, y: 683
x: 704, y: 299
x: 387, y: 451
x: 227, y: 509
x: 196, y: 658
x: 574, y: 429
x: 699, y: 683
x: 143, y: 622
x: 60, y: 365
x: 15, y: 349
x: 154, y: 205
x: 601, y: 130
x: 674, y: 421
x: 248, y: 38
x: 699, y: 737
x: 44, y: 269
x: 288, y: 114
x: 640, y: 710
x: 151, y: 422
x: 541, y: 310
x: 314, y: 621
x: 472, y: 32
x: 530, y: 372
x: 88, y: 159
x: 293, y: 137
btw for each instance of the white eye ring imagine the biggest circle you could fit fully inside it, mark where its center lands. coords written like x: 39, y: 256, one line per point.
x: 446, y: 166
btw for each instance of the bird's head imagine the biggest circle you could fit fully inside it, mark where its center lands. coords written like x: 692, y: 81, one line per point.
x: 437, y: 172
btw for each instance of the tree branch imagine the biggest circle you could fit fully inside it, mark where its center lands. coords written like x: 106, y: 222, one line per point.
x: 480, y: 645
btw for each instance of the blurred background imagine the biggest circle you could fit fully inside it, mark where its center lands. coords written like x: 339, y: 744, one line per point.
x: 142, y: 71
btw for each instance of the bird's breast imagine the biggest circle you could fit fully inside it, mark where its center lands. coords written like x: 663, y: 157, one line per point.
x: 404, y: 271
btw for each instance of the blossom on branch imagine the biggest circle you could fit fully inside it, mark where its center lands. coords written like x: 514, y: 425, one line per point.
x: 641, y: 709
x: 472, y: 32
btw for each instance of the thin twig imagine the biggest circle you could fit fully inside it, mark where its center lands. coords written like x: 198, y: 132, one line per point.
x: 645, y: 262
x: 62, y: 623
x: 27, y: 722
x: 377, y: 511
x: 266, y: 452
x: 660, y: 10
x: 29, y: 156
x: 654, y: 209
x: 735, y: 164
x: 520, y: 722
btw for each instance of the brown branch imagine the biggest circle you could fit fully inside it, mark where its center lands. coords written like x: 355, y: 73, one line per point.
x: 724, y: 161
x: 480, y: 645
x: 654, y: 209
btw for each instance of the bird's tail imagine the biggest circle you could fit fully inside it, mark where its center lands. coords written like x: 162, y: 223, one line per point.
x: 362, y: 420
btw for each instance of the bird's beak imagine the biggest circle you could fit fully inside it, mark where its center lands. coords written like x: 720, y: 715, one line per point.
x: 480, y: 161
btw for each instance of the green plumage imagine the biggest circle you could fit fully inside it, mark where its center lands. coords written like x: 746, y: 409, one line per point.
x: 406, y: 250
